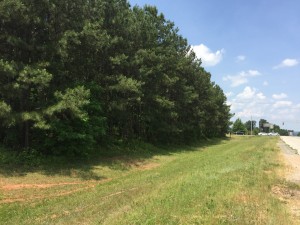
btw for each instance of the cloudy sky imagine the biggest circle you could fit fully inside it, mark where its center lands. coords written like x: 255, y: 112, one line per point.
x: 251, y: 48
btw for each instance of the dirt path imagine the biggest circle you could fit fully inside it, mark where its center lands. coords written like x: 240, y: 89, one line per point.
x: 290, y: 194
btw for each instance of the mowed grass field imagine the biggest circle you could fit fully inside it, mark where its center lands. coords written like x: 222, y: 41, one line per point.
x: 225, y: 181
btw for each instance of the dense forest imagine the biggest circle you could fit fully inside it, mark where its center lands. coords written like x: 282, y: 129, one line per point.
x: 75, y: 74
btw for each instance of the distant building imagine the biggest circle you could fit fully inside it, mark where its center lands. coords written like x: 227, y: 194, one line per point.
x: 291, y: 132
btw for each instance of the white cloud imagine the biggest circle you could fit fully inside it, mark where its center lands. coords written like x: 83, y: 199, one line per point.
x: 246, y: 114
x: 240, y: 58
x: 265, y: 83
x: 236, y: 80
x: 260, y: 96
x: 287, y: 63
x: 249, y: 103
x: 279, y: 96
x: 248, y: 93
x: 253, y: 73
x: 253, y: 103
x: 228, y: 94
x: 281, y: 104
x: 208, y: 57
x: 241, y: 78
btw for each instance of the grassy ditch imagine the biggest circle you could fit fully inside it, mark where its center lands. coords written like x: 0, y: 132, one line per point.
x: 219, y: 182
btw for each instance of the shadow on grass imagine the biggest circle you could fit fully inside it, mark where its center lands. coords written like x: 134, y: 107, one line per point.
x: 119, y: 157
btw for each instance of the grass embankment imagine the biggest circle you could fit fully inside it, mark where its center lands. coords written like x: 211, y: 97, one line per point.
x: 221, y: 182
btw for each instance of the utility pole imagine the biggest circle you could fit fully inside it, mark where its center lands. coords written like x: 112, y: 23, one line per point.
x: 251, y: 125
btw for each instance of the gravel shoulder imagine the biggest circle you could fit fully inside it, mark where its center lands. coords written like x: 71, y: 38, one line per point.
x: 292, y: 141
x: 292, y: 160
x: 290, y: 195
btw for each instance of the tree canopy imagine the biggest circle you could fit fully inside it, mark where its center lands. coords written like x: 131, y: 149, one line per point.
x: 238, y: 125
x: 78, y: 73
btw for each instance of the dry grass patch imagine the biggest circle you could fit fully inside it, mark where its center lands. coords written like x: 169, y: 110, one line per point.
x: 291, y: 197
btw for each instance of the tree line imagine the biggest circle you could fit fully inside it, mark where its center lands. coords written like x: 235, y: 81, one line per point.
x: 74, y: 74
x: 249, y: 125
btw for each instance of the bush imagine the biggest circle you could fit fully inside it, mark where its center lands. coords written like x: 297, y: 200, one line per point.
x: 26, y: 157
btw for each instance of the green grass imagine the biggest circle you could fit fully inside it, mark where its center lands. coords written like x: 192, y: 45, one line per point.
x: 218, y: 182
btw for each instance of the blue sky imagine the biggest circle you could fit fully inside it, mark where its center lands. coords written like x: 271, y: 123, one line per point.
x: 251, y: 48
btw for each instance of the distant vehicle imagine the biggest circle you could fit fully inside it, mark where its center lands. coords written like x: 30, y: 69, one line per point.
x: 262, y: 133
x: 273, y: 134
x: 239, y: 132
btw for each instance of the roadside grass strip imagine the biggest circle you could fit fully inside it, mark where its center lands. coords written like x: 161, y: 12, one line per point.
x: 226, y: 181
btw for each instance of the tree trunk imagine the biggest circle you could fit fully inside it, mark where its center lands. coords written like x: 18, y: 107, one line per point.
x: 26, y: 134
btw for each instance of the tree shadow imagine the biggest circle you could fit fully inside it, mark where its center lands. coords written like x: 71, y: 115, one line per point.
x: 118, y: 157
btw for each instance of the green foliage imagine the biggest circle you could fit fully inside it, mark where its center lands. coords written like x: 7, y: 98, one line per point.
x: 276, y: 128
x: 5, y: 109
x: 76, y: 74
x: 261, y: 125
x: 256, y: 131
x: 70, y: 103
x: 238, y: 126
x: 250, y: 124
x: 28, y: 158
x: 76, y: 123
x: 283, y: 132
x: 30, y: 77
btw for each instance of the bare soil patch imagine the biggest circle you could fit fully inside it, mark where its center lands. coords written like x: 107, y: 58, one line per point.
x: 291, y: 197
x: 37, y: 186
x: 19, y: 195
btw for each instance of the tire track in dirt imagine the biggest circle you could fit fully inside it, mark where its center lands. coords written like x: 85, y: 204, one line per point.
x: 47, y: 185
x: 19, y: 197
x: 88, y: 185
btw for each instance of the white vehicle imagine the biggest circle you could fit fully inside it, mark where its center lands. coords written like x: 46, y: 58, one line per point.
x: 262, y: 133
x: 273, y: 134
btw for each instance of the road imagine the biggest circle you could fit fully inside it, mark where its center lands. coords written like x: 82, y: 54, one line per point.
x: 292, y: 141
